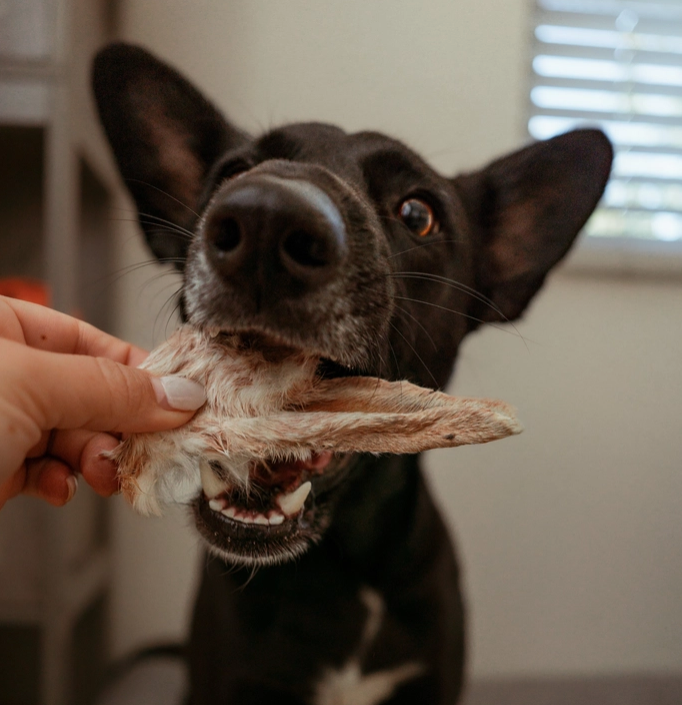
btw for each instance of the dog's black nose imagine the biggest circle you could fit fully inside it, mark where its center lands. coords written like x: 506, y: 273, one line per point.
x: 284, y: 237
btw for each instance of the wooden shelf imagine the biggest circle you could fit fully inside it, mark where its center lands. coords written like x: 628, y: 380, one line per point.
x: 57, y: 181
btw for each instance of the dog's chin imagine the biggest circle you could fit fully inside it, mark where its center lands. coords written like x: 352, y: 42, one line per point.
x: 262, y: 525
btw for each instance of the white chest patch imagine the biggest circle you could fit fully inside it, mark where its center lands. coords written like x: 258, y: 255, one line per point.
x: 349, y: 685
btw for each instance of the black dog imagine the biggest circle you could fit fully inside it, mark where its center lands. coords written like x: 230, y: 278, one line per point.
x: 351, y: 246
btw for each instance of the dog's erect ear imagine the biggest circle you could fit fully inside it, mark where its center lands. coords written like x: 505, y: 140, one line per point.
x: 165, y: 136
x: 526, y: 209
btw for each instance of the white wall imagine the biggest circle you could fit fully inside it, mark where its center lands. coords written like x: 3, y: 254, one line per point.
x: 569, y: 533
x: 421, y: 70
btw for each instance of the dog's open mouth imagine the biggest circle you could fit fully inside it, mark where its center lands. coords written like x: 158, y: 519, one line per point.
x: 274, y: 515
x: 275, y: 492
x: 276, y: 511
x: 261, y: 460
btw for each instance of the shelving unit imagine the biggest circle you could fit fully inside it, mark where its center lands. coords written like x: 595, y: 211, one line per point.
x: 56, y: 183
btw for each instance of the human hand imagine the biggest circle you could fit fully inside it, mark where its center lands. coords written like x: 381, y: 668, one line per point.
x: 67, y: 392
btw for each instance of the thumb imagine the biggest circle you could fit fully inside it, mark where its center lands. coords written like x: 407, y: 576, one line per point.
x: 78, y: 391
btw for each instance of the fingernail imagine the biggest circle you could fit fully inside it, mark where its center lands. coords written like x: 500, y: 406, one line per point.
x: 72, y: 484
x: 179, y: 393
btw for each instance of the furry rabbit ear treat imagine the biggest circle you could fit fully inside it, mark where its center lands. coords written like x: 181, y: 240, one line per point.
x: 268, y: 411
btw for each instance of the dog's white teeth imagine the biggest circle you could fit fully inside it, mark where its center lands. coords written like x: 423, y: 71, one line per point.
x: 275, y: 519
x: 246, y: 517
x: 293, y: 502
x: 210, y: 482
x: 217, y: 505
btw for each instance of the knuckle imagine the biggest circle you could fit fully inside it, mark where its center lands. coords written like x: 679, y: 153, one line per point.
x: 125, y: 391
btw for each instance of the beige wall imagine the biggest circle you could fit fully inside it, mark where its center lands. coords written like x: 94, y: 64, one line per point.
x: 570, y: 534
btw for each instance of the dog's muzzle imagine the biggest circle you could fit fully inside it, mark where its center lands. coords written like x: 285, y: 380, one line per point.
x: 274, y: 238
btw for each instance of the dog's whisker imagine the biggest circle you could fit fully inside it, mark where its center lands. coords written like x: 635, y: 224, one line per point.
x: 153, y: 262
x: 110, y: 279
x: 175, y: 227
x: 161, y: 291
x: 252, y: 574
x: 161, y: 191
x: 147, y: 220
x: 231, y: 568
x: 397, y: 367
x: 164, y: 230
x: 376, y: 387
x: 405, y: 312
x: 157, y: 277
x: 462, y: 314
x: 169, y: 300
x: 419, y: 357
x: 424, y: 244
x: 169, y: 305
x: 130, y: 268
x: 175, y: 310
x: 453, y: 284
x: 102, y: 284
x: 167, y: 231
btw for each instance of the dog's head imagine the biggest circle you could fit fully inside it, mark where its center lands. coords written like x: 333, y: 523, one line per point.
x: 348, y: 247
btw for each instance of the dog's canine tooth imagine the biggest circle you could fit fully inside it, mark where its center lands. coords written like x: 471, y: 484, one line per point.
x: 217, y: 505
x: 291, y: 503
x: 211, y: 484
x: 275, y: 519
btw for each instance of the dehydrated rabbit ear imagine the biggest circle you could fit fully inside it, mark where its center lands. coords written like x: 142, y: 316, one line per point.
x: 265, y: 407
x: 368, y: 415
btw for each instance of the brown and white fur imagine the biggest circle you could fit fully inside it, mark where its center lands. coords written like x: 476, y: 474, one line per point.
x: 274, y: 407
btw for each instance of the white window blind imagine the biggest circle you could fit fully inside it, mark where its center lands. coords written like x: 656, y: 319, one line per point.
x: 617, y: 64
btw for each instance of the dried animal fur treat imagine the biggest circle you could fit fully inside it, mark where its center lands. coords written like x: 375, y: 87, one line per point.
x: 266, y: 404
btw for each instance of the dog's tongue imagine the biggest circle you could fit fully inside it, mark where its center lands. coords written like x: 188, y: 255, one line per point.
x: 287, y: 474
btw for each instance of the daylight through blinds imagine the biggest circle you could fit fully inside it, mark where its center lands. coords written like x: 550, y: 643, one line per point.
x: 617, y: 64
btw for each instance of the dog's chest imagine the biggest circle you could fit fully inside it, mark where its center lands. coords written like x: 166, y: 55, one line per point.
x: 349, y: 685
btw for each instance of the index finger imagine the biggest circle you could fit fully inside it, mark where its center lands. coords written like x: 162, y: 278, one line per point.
x: 46, y: 329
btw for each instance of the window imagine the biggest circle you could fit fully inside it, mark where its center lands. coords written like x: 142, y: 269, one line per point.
x: 618, y: 64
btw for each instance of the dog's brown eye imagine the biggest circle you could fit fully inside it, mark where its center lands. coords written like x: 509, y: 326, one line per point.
x: 418, y: 216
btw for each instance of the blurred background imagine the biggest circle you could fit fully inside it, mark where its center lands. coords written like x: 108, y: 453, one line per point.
x: 571, y: 534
